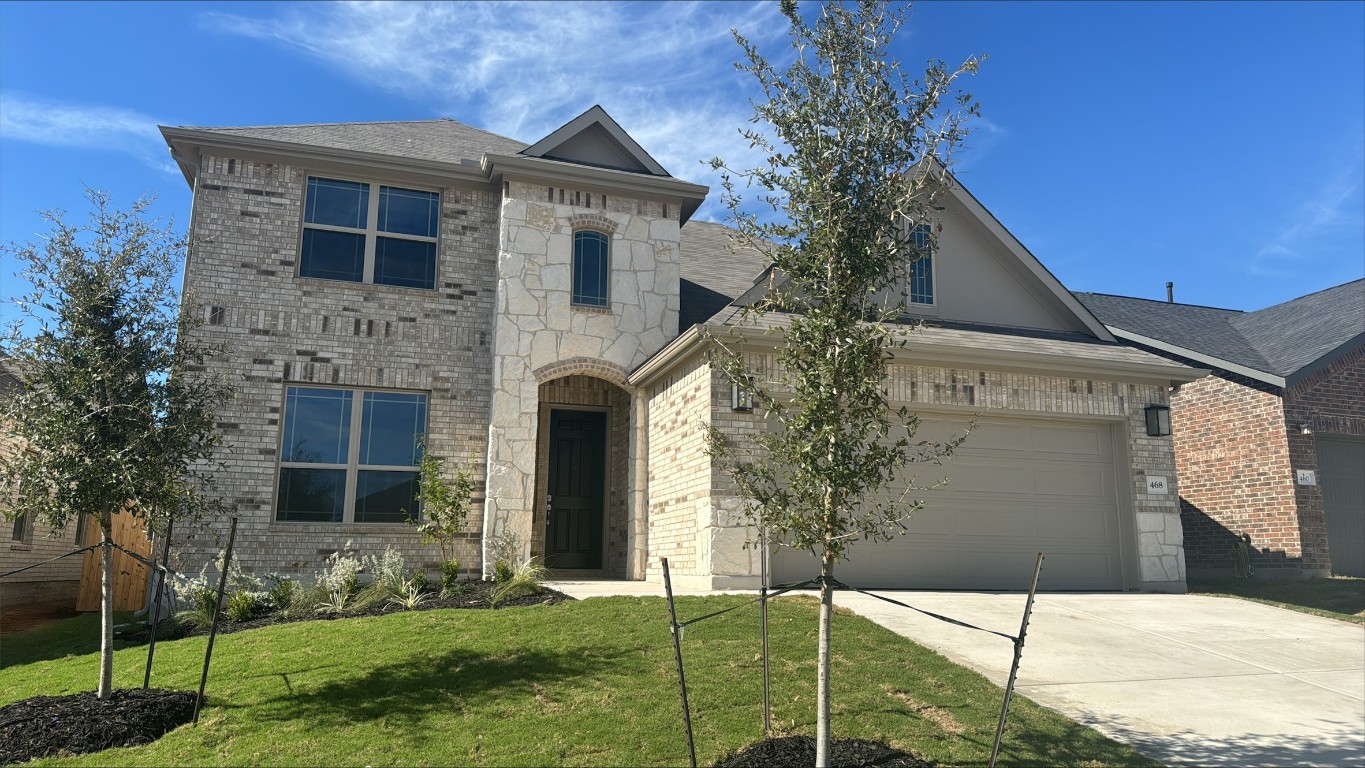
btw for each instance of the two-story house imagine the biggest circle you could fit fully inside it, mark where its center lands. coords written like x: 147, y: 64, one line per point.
x: 537, y: 311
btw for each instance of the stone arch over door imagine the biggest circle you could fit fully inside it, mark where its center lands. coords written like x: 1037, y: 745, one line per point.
x: 577, y: 397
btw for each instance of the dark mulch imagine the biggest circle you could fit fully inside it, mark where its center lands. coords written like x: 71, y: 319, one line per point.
x: 73, y: 725
x: 800, y: 751
x: 476, y: 595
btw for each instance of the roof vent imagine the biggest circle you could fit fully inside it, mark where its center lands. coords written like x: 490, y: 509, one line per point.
x: 1170, y: 292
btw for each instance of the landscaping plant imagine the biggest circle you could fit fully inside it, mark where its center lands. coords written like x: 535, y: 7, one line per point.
x: 524, y: 580
x: 849, y: 189
x: 444, y: 508
x: 116, y: 409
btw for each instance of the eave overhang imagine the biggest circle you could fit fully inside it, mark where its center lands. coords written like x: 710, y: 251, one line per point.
x: 920, y: 352
x: 188, y: 145
x: 686, y: 195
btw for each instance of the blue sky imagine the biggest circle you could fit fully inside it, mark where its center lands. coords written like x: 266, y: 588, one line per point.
x: 1218, y: 145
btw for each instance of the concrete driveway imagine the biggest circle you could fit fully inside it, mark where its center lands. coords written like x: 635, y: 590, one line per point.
x: 1183, y: 679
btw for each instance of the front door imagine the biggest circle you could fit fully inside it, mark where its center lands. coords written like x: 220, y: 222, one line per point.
x: 574, y: 504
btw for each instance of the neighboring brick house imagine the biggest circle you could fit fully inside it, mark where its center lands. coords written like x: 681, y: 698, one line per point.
x: 537, y: 310
x: 1272, y: 445
x: 25, y: 542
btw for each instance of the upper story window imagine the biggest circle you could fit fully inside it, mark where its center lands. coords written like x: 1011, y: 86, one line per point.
x: 920, y: 278
x: 591, y: 260
x: 370, y: 233
x: 349, y: 455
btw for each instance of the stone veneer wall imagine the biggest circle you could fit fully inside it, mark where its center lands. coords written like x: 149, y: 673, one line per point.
x: 596, y: 394
x: 680, y: 475
x: 1331, y: 402
x: 719, y: 526
x: 281, y: 329
x: 536, y: 326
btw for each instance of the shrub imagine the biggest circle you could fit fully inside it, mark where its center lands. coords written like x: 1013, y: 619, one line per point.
x: 281, y: 591
x: 341, y: 572
x: 243, y: 605
x: 389, y: 570
x: 450, y: 576
x: 502, y: 572
x: 335, y: 601
x: 525, y: 580
x: 203, y: 604
x: 419, y: 580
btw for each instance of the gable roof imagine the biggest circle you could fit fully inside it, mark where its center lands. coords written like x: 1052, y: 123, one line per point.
x: 594, y: 138
x: 442, y: 140
x: 1277, y: 345
x: 714, y: 272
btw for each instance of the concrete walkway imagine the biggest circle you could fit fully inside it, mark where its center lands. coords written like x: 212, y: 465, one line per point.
x: 1184, y: 679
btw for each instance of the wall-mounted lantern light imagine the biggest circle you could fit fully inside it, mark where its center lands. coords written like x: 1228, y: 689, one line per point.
x: 1158, y: 420
x: 1305, y: 429
x: 741, y: 399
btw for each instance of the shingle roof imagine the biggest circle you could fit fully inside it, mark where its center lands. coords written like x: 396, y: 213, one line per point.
x: 714, y: 272
x: 1278, y: 340
x: 442, y: 140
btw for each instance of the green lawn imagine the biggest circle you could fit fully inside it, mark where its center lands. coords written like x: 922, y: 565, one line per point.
x: 1339, y: 597
x: 581, y: 683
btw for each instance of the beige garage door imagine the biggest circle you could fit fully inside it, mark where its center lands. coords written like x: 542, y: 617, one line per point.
x: 1016, y: 488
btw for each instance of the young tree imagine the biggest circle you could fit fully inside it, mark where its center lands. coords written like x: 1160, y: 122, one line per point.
x: 856, y: 158
x: 115, y: 410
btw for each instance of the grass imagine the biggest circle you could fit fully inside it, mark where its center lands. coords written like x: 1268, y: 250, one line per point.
x: 68, y: 637
x: 581, y: 683
x: 1339, y: 597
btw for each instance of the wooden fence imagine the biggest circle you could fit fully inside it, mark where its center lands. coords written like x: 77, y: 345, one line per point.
x: 130, y: 576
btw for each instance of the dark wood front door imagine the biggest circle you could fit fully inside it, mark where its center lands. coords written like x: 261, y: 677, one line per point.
x: 575, y: 501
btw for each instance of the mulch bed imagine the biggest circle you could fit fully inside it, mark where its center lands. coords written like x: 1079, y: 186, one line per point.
x: 800, y: 751
x: 73, y: 725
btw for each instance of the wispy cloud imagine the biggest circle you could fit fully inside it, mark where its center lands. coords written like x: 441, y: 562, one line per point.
x: 663, y: 70
x: 52, y: 123
x: 1300, y: 236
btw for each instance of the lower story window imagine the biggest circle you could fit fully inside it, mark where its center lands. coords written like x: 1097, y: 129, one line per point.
x: 349, y: 455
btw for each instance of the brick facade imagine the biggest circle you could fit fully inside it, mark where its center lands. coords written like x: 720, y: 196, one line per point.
x: 279, y: 329
x: 1238, y: 444
x: 694, y: 516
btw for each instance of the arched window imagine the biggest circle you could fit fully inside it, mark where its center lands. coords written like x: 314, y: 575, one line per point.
x: 590, y: 272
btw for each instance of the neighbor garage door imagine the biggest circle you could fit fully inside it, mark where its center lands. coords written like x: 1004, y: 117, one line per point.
x: 1016, y: 487
x: 1341, y: 464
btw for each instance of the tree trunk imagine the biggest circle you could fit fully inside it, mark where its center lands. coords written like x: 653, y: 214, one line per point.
x: 822, y: 680
x: 106, y: 607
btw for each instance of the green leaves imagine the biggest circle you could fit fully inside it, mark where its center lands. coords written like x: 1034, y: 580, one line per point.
x: 856, y: 158
x: 114, y: 411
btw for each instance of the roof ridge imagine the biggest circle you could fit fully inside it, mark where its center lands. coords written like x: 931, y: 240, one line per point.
x: 1160, y: 301
x: 1309, y: 295
x: 349, y: 123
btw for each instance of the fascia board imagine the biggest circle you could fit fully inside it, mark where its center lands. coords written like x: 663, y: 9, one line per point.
x: 663, y: 360
x: 921, y: 353
x: 1199, y: 357
x: 189, y: 144
x: 688, y: 195
x: 1028, y: 260
x: 1326, y: 360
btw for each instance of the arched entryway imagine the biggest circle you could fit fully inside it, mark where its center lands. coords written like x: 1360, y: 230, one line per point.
x: 581, y: 517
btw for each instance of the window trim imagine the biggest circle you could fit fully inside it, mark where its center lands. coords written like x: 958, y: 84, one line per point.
x: 371, y: 231
x: 933, y: 272
x: 352, y: 467
x: 573, y: 269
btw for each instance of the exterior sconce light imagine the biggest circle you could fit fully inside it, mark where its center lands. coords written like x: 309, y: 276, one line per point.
x: 1305, y: 429
x: 741, y: 399
x: 1158, y: 420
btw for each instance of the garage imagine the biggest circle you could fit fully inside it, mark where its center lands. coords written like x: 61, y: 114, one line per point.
x: 1016, y: 487
x: 1341, y: 464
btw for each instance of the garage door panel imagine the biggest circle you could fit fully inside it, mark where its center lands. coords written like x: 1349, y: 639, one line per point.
x: 1341, y: 464
x: 1069, y: 440
x: 1015, y: 488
